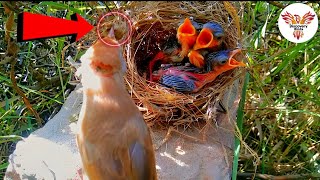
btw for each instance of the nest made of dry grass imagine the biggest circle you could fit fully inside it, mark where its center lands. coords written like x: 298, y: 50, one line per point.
x: 153, y: 22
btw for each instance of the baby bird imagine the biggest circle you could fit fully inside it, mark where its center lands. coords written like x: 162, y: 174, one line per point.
x: 170, y: 54
x: 187, y: 35
x: 209, y: 38
x: 197, y: 57
x: 219, y: 58
x: 186, y: 81
x: 113, y: 140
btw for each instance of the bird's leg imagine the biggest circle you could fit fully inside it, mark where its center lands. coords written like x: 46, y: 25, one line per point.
x: 166, y: 138
x: 171, y: 129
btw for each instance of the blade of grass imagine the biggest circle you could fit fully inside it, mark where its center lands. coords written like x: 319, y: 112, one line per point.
x: 61, y: 6
x: 59, y: 64
x: 240, y: 114
x: 2, y: 77
x: 316, y: 101
x: 4, y: 166
x: 9, y: 138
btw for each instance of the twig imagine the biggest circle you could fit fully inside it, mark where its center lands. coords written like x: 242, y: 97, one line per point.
x: 10, y: 5
x: 169, y: 133
x: 277, y: 4
x: 24, y: 98
x: 63, y: 54
x: 233, y: 12
x: 284, y: 177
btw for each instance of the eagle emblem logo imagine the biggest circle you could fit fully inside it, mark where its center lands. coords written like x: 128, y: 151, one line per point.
x: 297, y: 22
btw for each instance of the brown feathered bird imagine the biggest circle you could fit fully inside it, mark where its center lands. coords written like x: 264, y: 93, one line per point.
x: 114, y: 141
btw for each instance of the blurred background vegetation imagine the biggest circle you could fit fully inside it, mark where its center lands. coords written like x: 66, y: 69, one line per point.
x: 282, y: 110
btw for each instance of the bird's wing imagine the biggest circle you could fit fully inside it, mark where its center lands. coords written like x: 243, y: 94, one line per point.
x: 141, y: 151
x: 96, y: 164
x: 130, y: 155
x: 178, y: 83
x: 288, y: 18
x: 139, y: 160
x: 307, y: 18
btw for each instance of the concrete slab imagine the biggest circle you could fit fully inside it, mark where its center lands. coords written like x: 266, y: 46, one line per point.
x: 51, y: 152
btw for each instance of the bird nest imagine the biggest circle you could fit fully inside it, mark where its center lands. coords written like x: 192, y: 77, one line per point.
x: 153, y: 23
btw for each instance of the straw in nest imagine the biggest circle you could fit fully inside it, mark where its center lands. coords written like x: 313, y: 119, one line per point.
x: 153, y: 22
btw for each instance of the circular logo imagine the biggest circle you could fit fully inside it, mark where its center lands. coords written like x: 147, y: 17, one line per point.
x: 125, y: 18
x: 298, y: 23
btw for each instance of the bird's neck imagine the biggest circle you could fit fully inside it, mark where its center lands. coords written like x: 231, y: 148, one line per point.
x: 111, y: 86
x: 203, y: 79
x: 105, y: 105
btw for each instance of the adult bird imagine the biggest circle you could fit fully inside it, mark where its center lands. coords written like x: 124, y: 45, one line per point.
x: 113, y: 140
x: 187, y: 35
x: 209, y: 38
x: 184, y: 81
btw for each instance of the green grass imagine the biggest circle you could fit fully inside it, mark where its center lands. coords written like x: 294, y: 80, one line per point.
x: 41, y: 73
x: 282, y: 108
x: 240, y: 115
x: 281, y: 121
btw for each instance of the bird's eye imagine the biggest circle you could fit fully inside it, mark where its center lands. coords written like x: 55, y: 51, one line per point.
x: 223, y: 62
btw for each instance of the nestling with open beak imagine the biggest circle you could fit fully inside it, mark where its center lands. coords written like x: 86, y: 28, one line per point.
x: 186, y: 35
x: 113, y: 140
x: 209, y: 38
x: 184, y: 81
x: 214, y: 59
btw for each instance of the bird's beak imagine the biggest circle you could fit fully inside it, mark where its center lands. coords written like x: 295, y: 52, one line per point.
x: 231, y: 64
x: 196, y: 58
x: 232, y: 61
x: 110, y: 39
x: 205, y: 39
x: 187, y: 32
x: 111, y: 33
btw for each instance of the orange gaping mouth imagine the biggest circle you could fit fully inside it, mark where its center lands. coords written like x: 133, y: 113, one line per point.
x: 187, y: 28
x: 186, y: 33
x: 233, y: 62
x: 205, y: 40
x: 101, y: 68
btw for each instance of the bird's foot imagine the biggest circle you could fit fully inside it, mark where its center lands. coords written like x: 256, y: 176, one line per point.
x: 171, y: 129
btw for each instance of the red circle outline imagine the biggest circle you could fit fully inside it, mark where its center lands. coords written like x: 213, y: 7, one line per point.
x: 122, y: 15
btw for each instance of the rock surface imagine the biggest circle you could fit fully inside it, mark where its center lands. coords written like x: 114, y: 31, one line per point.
x: 51, y: 152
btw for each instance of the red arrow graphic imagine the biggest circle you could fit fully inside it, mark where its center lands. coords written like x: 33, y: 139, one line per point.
x: 37, y: 26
